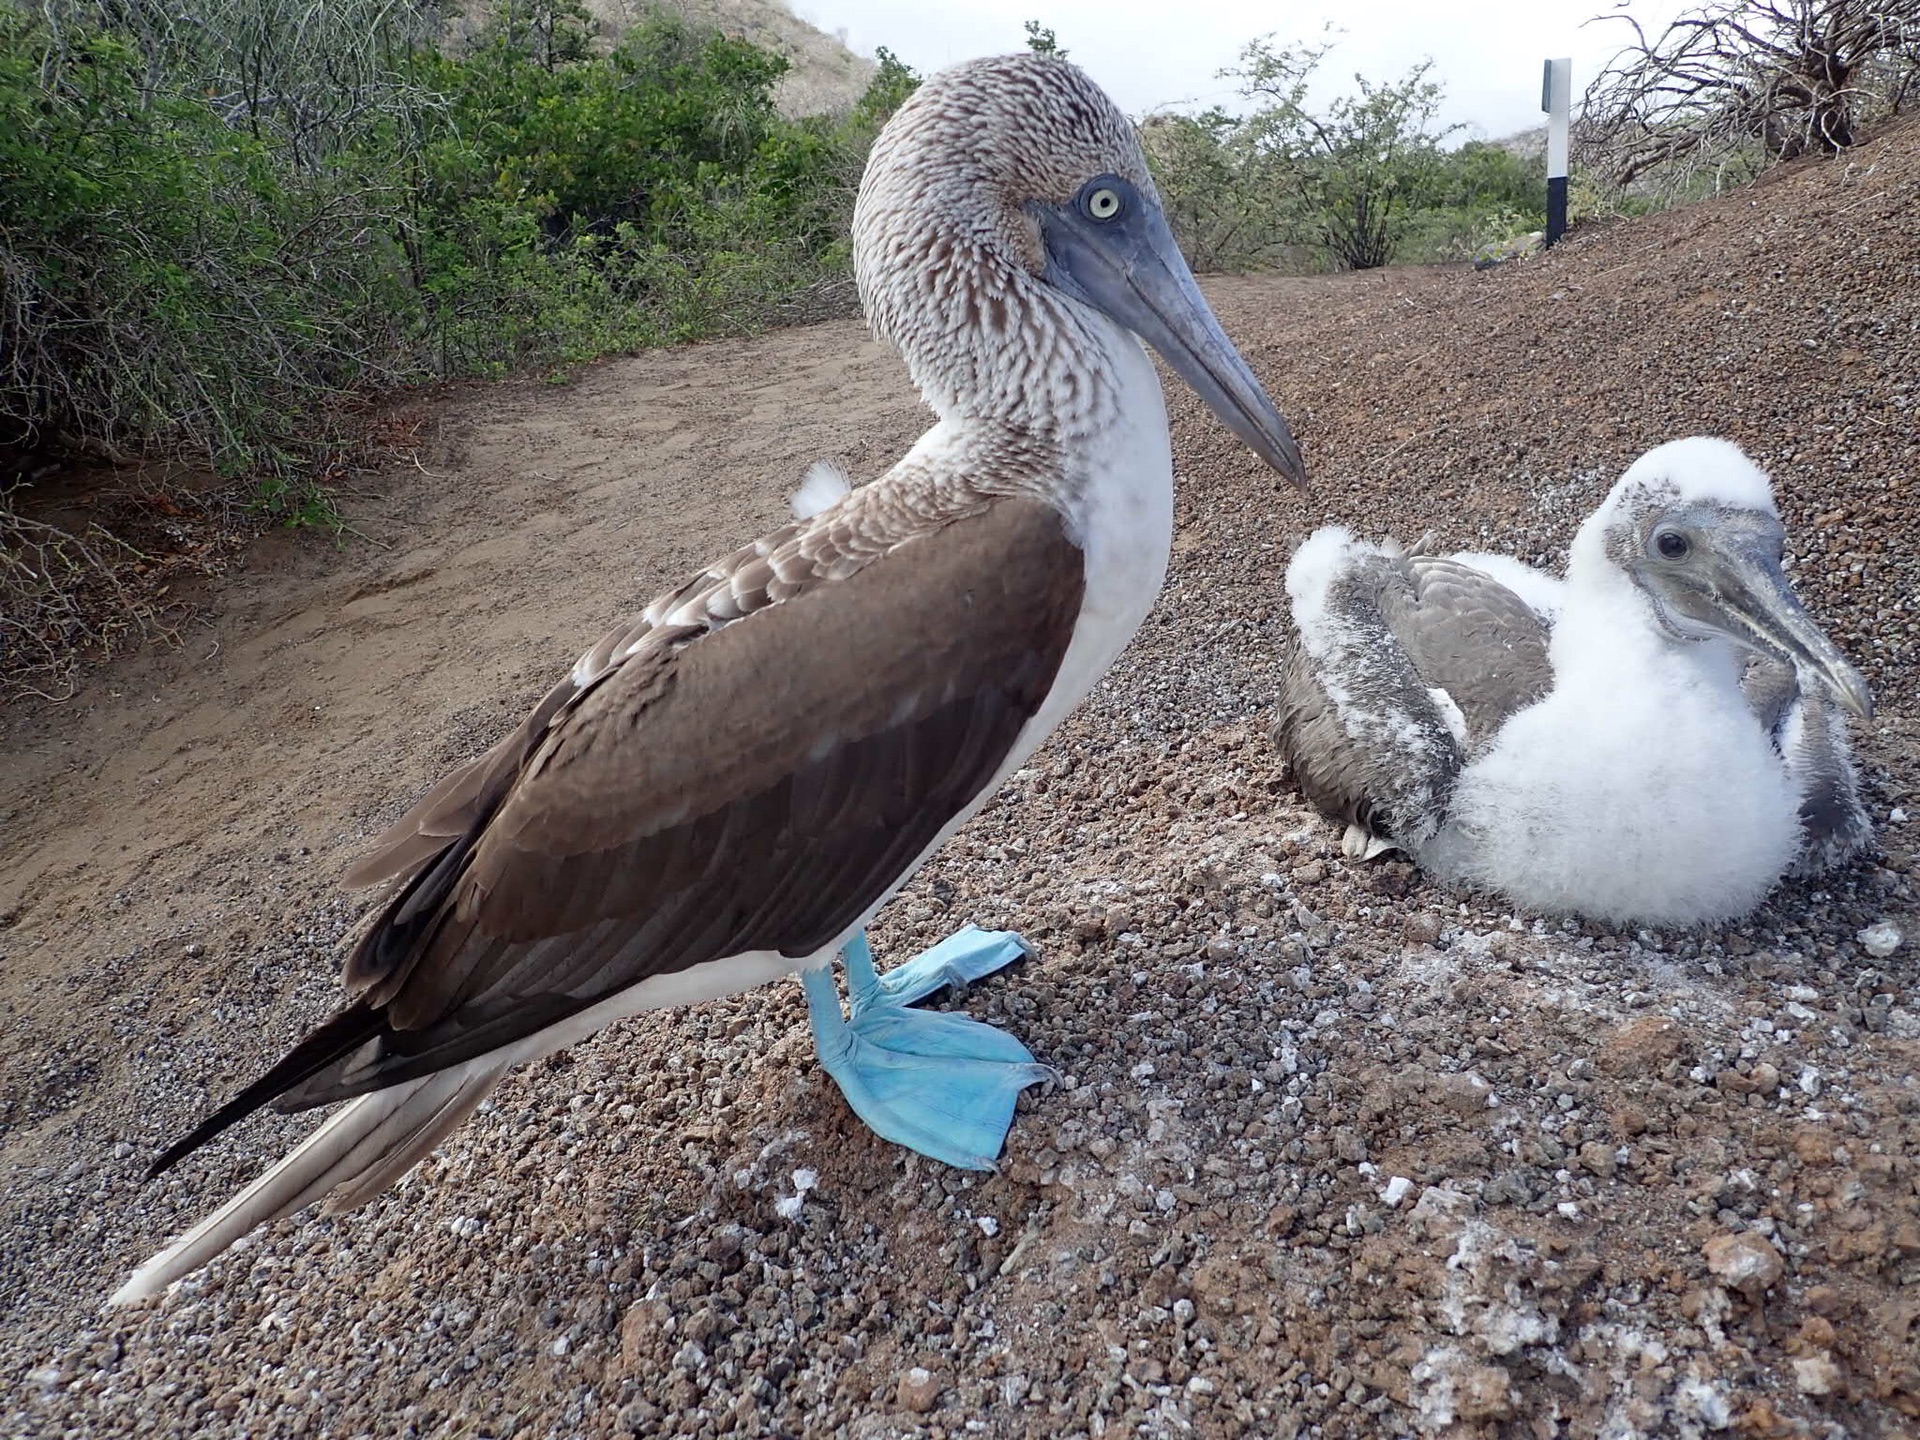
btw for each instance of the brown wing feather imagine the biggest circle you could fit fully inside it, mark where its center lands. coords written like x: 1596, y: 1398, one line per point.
x: 753, y: 577
x: 453, y: 806
x: 822, y: 773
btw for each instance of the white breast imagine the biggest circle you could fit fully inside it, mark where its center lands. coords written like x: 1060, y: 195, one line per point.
x: 1639, y: 791
x: 1124, y: 523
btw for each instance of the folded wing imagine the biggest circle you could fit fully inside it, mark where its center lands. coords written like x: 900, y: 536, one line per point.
x: 750, y: 768
x: 1403, y: 666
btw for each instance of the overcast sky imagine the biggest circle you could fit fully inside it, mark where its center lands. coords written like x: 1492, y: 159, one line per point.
x: 1157, y: 54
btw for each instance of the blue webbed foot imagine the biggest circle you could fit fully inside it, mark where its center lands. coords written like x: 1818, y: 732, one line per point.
x: 941, y: 1084
x: 960, y: 959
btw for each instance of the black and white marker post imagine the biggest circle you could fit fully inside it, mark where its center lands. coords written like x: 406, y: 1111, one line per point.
x: 1556, y: 98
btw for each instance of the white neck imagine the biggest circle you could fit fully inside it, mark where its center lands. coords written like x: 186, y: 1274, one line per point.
x: 1608, y: 634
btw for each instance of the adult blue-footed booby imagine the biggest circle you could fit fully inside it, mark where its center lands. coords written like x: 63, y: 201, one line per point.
x: 1656, y: 738
x: 726, y: 790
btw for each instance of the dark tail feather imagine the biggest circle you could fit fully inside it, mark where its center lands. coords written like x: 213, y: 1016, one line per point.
x: 333, y: 1041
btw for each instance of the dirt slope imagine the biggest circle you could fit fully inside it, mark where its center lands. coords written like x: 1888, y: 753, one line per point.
x: 1203, y: 1228
x: 823, y: 77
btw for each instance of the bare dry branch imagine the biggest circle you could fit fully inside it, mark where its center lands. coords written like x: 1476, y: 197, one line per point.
x: 62, y: 594
x: 1757, y: 81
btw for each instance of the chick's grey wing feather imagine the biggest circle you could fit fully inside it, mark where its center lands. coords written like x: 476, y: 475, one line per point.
x: 1771, y: 689
x: 1365, y: 741
x: 1810, y: 734
x: 1472, y: 637
x: 737, y: 789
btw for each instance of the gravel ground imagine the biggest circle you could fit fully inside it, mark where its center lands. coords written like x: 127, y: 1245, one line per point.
x: 1336, y: 1152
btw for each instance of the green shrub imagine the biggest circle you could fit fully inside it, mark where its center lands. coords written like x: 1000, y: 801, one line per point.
x: 168, y: 284
x: 1356, y: 182
x: 218, y: 222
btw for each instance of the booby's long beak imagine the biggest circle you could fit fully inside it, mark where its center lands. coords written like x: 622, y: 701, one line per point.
x: 1750, y: 592
x: 1130, y: 268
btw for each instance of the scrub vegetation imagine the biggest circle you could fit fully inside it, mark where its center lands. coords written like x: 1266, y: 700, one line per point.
x: 227, y: 225
x: 1733, y: 86
x: 1368, y: 178
x: 223, y: 221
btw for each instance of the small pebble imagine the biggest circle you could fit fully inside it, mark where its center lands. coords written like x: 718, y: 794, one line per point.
x: 917, y: 1391
x: 1745, y: 1262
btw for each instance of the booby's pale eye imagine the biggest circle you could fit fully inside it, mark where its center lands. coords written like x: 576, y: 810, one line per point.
x: 1102, y: 202
x: 1672, y: 544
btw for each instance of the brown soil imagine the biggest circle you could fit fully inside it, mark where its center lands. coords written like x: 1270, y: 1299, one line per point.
x: 1658, y: 1184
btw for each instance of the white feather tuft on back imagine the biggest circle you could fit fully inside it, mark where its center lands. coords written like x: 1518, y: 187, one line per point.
x: 825, y: 486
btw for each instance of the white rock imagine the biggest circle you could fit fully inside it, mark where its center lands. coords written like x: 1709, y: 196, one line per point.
x: 989, y: 1226
x: 1398, y: 1188
x: 1817, y: 1374
x: 1704, y: 1402
x: 1881, y: 939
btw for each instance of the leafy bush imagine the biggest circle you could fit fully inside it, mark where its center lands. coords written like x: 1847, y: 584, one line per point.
x: 1221, y: 198
x: 167, y: 280
x: 1353, y: 184
x: 217, y: 221
x: 1474, y: 197
x: 1351, y: 171
x: 574, y: 208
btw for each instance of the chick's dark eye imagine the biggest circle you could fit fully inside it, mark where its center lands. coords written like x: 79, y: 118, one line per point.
x: 1672, y: 544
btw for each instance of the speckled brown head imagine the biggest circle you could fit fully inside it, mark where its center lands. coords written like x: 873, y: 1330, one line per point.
x: 1005, y: 208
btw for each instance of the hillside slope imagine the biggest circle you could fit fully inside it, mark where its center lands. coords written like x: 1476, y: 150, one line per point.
x: 826, y: 76
x: 1656, y: 1184
x: 823, y: 76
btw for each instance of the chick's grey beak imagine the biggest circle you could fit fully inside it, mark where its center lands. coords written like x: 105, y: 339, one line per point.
x: 1761, y: 610
x: 1130, y: 269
